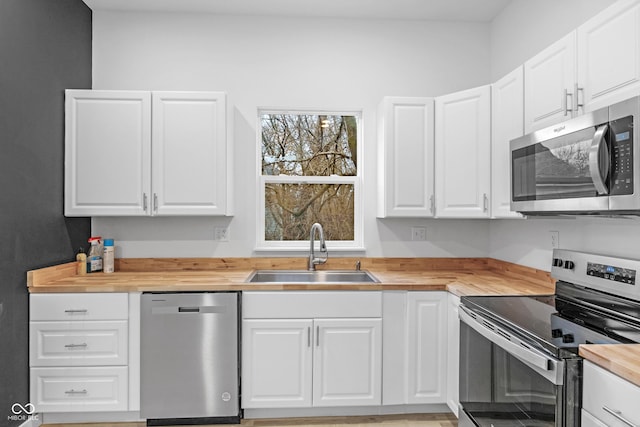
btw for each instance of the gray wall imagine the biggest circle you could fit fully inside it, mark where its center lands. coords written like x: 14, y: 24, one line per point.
x: 45, y: 47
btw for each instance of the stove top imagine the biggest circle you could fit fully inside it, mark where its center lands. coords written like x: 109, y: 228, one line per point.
x: 596, y: 302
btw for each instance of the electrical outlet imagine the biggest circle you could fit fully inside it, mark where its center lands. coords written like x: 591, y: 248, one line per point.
x: 418, y: 233
x: 221, y: 234
x: 555, y: 239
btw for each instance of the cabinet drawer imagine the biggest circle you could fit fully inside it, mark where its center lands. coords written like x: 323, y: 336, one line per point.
x: 311, y: 304
x: 602, y: 389
x: 589, y: 420
x: 79, y: 389
x: 78, y: 343
x: 102, y: 306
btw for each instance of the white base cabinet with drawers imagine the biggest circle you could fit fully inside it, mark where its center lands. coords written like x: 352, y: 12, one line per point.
x: 608, y: 400
x: 84, y: 352
x: 311, y: 349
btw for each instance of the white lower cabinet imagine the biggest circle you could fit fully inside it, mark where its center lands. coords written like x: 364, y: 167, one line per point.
x: 608, y: 399
x: 79, y: 352
x: 327, y: 360
x: 453, y: 352
x: 415, y: 347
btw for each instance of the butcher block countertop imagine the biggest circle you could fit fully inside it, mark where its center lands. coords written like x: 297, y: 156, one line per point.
x: 460, y: 276
x: 622, y: 360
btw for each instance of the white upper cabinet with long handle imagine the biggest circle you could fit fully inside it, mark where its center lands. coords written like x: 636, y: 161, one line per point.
x: 507, y: 123
x: 189, y: 158
x: 107, y: 152
x: 549, y: 80
x: 135, y: 153
x: 609, y: 56
x: 405, y: 155
x: 463, y: 153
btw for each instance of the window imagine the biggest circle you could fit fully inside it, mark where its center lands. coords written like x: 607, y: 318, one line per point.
x: 309, y: 173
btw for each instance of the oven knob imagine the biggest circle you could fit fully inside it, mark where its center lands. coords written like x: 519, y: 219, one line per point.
x: 568, y: 338
x: 569, y: 265
x: 556, y: 333
x: 557, y: 262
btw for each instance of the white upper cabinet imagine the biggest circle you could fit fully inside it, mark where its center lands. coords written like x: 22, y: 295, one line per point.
x: 549, y: 80
x: 594, y: 66
x: 189, y: 159
x: 405, y: 157
x: 134, y: 153
x: 107, y: 152
x: 507, y: 123
x: 463, y: 153
x: 609, y: 56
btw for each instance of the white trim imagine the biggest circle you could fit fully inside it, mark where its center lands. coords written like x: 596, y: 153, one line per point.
x: 357, y: 244
x: 346, y: 411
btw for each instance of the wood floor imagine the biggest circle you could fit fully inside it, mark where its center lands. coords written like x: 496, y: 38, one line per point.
x: 422, y: 420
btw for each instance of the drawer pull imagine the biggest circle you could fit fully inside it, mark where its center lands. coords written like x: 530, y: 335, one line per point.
x: 83, y: 345
x: 75, y: 311
x: 72, y: 391
x: 618, y: 415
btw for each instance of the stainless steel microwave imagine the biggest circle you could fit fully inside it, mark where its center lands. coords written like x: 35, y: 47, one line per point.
x: 586, y: 165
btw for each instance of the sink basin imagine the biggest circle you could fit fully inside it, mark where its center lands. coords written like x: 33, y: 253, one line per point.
x: 304, y: 276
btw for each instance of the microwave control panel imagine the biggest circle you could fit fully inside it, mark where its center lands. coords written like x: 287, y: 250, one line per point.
x: 610, y: 272
x: 621, y: 132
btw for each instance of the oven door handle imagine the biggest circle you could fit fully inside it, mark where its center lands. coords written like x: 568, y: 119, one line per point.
x: 549, y: 368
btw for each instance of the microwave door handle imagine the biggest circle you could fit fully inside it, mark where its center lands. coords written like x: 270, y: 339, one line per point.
x: 599, y: 160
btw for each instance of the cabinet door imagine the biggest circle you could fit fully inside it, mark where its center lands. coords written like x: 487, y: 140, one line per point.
x: 347, y: 362
x: 276, y: 363
x: 507, y: 123
x: 189, y: 153
x: 549, y: 79
x: 463, y: 154
x: 427, y: 326
x: 406, y: 157
x: 107, y: 152
x: 453, y: 352
x: 609, y: 56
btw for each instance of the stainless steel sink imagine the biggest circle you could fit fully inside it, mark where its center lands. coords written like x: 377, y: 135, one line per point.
x: 318, y: 276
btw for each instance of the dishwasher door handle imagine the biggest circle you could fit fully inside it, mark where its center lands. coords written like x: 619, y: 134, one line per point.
x: 204, y: 309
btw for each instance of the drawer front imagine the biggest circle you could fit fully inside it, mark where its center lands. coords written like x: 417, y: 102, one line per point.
x: 589, y: 420
x: 610, y: 398
x: 102, y: 306
x: 311, y: 304
x: 79, y: 389
x: 78, y: 343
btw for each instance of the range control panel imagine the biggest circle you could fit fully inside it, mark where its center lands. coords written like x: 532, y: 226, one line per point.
x: 610, y: 272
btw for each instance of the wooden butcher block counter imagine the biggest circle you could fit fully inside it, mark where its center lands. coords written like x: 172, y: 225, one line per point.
x: 461, y: 276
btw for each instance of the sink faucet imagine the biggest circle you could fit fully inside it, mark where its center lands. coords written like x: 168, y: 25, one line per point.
x: 313, y: 261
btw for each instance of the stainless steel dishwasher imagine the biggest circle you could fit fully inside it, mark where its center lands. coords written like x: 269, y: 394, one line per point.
x: 189, y: 358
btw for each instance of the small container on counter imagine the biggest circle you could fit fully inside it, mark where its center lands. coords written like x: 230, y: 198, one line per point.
x: 108, y: 257
x: 81, y: 261
x: 94, y: 259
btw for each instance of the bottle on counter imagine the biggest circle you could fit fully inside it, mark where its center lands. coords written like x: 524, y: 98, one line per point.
x: 81, y: 261
x: 108, y: 256
x: 94, y: 259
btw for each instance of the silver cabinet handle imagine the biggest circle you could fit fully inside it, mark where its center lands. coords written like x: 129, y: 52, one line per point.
x: 432, y: 204
x: 72, y: 391
x: 618, y: 415
x: 309, y: 336
x: 567, y: 108
x: 71, y: 311
x: 576, y: 100
x: 83, y: 345
x: 485, y: 201
x: 155, y: 202
x: 317, y: 336
x: 144, y: 202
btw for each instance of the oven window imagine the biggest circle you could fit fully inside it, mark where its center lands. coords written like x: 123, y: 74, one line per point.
x: 497, y: 389
x: 554, y: 169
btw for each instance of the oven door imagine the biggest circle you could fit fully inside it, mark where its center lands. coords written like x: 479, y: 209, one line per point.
x: 504, y: 383
x: 564, y: 168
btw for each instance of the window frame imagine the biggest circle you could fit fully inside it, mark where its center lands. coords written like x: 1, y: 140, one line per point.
x: 357, y: 243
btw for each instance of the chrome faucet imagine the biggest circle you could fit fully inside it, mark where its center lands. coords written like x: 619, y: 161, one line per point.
x: 313, y: 261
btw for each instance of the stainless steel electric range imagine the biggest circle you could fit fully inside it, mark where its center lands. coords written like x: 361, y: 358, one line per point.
x: 519, y: 363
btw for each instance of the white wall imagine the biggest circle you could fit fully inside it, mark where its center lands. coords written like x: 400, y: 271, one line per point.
x: 518, y: 33
x: 288, y: 62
